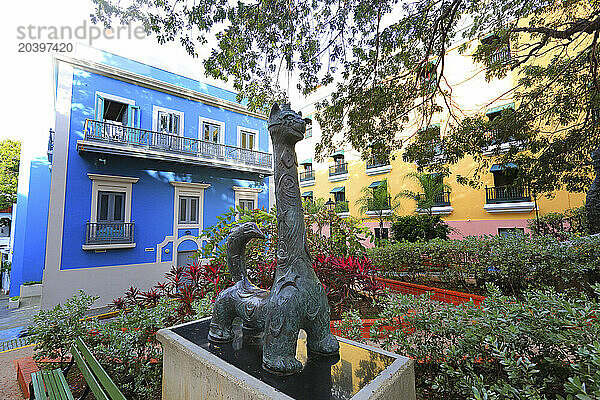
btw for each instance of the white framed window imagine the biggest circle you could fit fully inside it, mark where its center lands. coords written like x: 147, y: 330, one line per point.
x: 247, y: 138
x: 246, y: 198
x: 116, y: 110
x: 188, y: 204
x: 167, y: 121
x: 212, y: 130
x: 111, y: 198
x: 188, y: 209
x: 110, y: 225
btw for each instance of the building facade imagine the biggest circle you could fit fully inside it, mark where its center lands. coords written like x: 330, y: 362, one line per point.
x: 141, y: 160
x: 499, y: 206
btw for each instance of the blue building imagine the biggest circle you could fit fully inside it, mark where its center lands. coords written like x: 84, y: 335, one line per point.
x: 141, y: 160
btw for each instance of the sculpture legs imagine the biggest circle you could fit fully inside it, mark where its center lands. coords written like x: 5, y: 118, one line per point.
x: 222, y: 319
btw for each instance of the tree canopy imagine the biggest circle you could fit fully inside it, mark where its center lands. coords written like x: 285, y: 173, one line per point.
x: 386, y: 63
x: 10, y: 152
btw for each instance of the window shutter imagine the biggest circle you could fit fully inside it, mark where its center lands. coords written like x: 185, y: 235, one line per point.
x: 133, y: 116
x: 99, y: 107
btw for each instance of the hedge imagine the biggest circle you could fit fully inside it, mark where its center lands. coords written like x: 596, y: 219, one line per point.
x: 514, y: 262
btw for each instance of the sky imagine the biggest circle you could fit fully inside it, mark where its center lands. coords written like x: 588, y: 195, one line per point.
x: 27, y: 104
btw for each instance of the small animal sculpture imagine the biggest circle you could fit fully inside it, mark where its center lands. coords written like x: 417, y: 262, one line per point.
x: 592, y: 199
x: 297, y: 299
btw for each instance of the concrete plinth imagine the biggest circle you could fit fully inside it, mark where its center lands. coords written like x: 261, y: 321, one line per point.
x: 194, y: 369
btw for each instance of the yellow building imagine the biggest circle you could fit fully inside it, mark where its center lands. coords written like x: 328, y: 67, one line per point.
x: 495, y: 208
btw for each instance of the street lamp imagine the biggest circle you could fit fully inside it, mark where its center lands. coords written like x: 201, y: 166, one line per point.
x: 330, y: 205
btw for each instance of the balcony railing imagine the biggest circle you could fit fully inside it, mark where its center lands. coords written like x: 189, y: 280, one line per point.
x: 115, y: 134
x: 108, y: 232
x: 501, y: 55
x: 341, y: 207
x: 376, y: 163
x: 506, y: 194
x: 307, y: 176
x: 338, y: 169
x: 441, y: 199
x: 373, y: 205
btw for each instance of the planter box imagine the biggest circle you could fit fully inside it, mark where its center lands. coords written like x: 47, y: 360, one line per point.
x: 12, y: 304
x: 443, y: 295
x: 31, y: 290
x: 194, y: 369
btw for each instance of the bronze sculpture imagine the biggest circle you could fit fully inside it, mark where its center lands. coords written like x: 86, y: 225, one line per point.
x: 297, y: 299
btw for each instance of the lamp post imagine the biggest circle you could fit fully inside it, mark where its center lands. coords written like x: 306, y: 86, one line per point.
x: 330, y: 206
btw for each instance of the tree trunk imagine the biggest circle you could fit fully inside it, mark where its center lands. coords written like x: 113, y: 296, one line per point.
x: 592, y: 200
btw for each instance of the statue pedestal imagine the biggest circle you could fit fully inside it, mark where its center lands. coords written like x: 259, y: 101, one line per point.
x: 195, y: 369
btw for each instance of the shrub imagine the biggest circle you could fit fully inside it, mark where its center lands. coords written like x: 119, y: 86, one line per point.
x: 561, y: 225
x: 545, y: 346
x: 55, y: 330
x: 419, y: 227
x: 350, y: 325
x: 514, y: 262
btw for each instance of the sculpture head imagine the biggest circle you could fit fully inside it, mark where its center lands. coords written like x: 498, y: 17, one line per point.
x: 286, y: 125
x: 246, y: 231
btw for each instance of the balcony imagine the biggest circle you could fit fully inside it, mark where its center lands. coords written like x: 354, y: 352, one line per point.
x: 442, y: 199
x: 338, y: 172
x: 441, y: 204
x: 109, y: 138
x: 378, y: 166
x: 342, y: 208
x: 375, y: 207
x: 513, y: 198
x: 108, y: 235
x: 307, y: 178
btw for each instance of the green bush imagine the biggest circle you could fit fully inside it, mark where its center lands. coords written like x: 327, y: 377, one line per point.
x: 55, y: 330
x: 545, y: 346
x: 413, y: 228
x: 514, y: 262
x: 29, y: 283
x: 561, y: 225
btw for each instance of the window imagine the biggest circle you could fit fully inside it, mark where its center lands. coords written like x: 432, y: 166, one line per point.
x: 111, y: 207
x: 308, y: 132
x: 246, y: 204
x: 428, y: 76
x: 500, y: 52
x: 505, y: 176
x: 211, y: 132
x: 188, y: 209
x: 117, y: 110
x: 510, y: 231
x: 381, y: 233
x: 247, y: 140
x: 168, y: 122
x: 339, y: 196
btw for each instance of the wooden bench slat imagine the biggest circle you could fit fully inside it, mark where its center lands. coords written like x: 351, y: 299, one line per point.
x: 110, y: 387
x: 88, y: 375
x: 62, y: 385
x: 49, y: 389
x: 54, y: 391
x: 38, y: 386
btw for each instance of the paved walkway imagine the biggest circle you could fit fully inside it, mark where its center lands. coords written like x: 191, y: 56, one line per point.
x: 14, y: 322
x: 9, y: 386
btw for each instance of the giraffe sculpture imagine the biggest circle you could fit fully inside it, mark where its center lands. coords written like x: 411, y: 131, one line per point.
x: 297, y: 299
x: 592, y: 199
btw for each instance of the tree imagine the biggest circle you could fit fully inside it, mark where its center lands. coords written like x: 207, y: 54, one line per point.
x: 431, y: 188
x: 10, y: 152
x: 388, y: 60
x: 377, y: 203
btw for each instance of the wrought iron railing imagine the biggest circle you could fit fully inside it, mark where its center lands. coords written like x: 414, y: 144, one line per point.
x: 341, y: 206
x: 378, y: 205
x: 107, y: 132
x: 506, y: 194
x: 442, y: 199
x: 338, y: 169
x: 307, y: 176
x: 375, y: 163
x: 500, y: 55
x: 108, y: 232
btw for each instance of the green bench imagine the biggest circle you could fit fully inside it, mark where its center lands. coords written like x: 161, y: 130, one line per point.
x: 52, y: 385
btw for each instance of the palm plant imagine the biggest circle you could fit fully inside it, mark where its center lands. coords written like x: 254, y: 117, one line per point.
x: 431, y: 188
x: 313, y: 206
x: 378, y: 203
